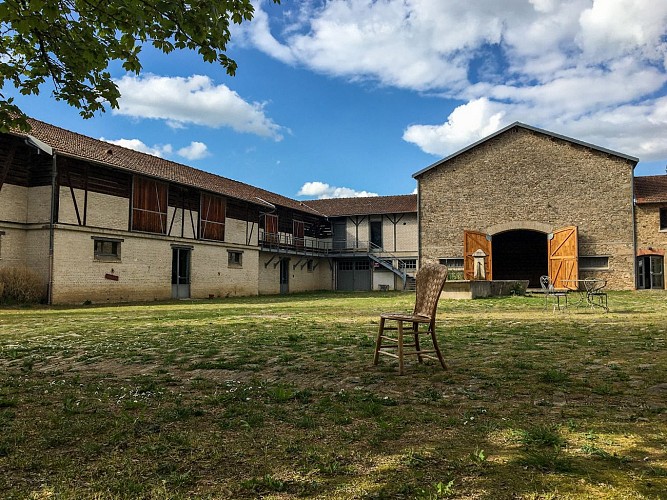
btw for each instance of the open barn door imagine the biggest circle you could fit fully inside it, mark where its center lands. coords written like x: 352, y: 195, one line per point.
x: 473, y: 241
x: 564, y: 257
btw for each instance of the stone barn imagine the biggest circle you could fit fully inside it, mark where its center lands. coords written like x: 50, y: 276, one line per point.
x: 535, y: 203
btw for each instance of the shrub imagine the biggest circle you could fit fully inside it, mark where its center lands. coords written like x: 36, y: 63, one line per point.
x: 20, y: 285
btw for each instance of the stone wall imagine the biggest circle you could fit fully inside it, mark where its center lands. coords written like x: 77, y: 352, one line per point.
x: 300, y: 278
x: 526, y: 176
x: 650, y: 239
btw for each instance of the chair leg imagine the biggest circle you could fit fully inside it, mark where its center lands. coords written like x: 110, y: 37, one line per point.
x: 378, y: 342
x: 436, y: 347
x: 401, y: 370
x: 415, y: 331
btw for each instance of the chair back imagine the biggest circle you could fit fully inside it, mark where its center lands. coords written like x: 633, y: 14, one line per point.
x: 429, y: 282
x: 545, y: 283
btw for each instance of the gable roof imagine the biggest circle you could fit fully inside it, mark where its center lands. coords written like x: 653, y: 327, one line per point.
x: 338, y: 207
x: 73, y: 145
x: 532, y: 129
x: 651, y: 189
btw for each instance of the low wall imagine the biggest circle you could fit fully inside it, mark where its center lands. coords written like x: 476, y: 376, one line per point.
x: 464, y: 289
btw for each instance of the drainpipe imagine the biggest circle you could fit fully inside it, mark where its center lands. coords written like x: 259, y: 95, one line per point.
x: 634, y: 230
x: 51, y: 226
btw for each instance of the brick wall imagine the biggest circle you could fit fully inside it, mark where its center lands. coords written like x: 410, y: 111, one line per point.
x: 13, y: 203
x: 102, y: 210
x: 521, y: 178
x: 144, y: 272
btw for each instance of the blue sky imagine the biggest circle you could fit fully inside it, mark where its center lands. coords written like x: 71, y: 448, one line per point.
x: 347, y: 98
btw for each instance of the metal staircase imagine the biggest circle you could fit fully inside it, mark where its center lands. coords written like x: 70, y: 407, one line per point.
x: 386, y: 260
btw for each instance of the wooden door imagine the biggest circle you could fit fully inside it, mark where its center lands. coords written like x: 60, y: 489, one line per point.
x: 297, y: 233
x: 270, y: 228
x: 473, y: 241
x: 564, y: 257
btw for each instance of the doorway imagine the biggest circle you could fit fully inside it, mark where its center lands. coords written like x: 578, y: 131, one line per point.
x: 376, y: 234
x: 650, y: 272
x: 284, y: 276
x: 520, y: 255
x: 180, y: 273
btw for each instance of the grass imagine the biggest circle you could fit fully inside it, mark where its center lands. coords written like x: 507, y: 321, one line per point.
x: 277, y: 397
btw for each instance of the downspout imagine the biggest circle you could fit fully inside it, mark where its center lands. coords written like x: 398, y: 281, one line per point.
x: 52, y: 217
x: 634, y: 230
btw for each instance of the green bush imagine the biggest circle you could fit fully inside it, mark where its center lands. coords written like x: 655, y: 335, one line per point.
x: 20, y: 285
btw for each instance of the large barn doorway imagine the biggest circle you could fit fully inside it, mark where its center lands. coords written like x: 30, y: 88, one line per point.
x: 520, y: 255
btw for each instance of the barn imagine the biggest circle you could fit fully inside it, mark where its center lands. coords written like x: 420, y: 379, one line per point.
x: 535, y: 203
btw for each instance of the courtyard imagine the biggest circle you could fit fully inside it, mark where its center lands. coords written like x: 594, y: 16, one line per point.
x: 277, y: 397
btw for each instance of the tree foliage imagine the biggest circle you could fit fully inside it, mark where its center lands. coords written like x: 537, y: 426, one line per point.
x: 72, y: 42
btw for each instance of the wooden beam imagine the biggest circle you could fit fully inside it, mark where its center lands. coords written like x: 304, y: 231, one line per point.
x: 7, y: 164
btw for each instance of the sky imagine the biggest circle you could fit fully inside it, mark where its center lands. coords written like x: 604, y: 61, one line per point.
x: 350, y: 98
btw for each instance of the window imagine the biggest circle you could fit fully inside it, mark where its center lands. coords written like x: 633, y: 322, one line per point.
x: 362, y: 265
x: 452, y: 263
x: 663, y: 219
x: 408, y: 264
x: 106, y: 249
x: 346, y: 266
x: 212, y: 217
x: 593, y: 262
x: 309, y: 266
x: 234, y: 258
x: 454, y: 267
x: 149, y: 205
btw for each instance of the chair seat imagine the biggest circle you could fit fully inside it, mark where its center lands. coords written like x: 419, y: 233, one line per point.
x: 414, y: 318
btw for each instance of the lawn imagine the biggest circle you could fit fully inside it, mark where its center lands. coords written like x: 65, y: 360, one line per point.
x: 277, y: 397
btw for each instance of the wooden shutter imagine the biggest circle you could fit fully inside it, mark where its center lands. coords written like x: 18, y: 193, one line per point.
x: 473, y: 241
x: 297, y: 232
x: 564, y: 257
x: 212, y: 217
x: 271, y: 228
x: 149, y: 205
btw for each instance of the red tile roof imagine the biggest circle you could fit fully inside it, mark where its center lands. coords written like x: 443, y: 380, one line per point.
x: 71, y: 144
x: 651, y: 189
x: 338, y: 207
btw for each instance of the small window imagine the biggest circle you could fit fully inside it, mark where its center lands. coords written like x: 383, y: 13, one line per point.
x: 106, y: 249
x: 234, y: 258
x: 452, y: 263
x: 346, y: 266
x: 362, y: 265
x: 593, y: 262
x: 408, y: 264
x: 663, y: 219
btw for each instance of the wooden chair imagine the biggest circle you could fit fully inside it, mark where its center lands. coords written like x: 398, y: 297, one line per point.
x: 549, y: 291
x: 429, y: 282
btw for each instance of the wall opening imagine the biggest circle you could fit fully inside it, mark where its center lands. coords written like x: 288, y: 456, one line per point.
x: 520, y: 255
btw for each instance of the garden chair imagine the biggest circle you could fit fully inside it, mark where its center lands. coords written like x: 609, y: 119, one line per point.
x: 549, y: 291
x: 429, y: 282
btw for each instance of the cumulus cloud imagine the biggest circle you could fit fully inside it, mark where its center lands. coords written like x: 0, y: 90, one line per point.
x: 575, y: 67
x: 195, y: 151
x: 160, y: 150
x: 322, y: 190
x: 193, y: 100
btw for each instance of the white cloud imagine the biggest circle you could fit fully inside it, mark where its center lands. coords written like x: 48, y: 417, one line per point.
x: 322, y: 190
x: 193, y: 100
x: 160, y: 150
x: 195, y: 151
x: 568, y: 66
